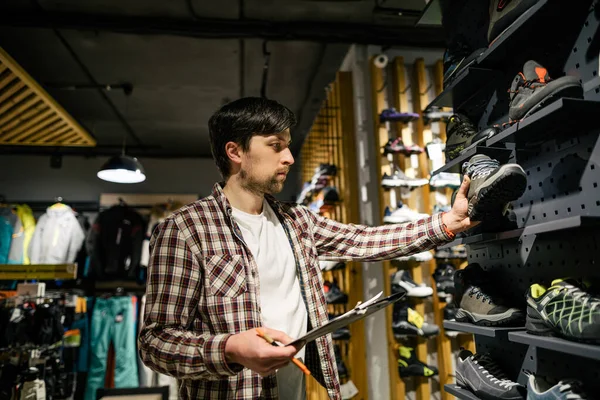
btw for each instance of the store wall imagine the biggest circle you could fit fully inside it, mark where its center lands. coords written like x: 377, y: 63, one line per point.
x: 30, y: 178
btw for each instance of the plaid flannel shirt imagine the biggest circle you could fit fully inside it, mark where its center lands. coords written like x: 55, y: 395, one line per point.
x: 203, y: 287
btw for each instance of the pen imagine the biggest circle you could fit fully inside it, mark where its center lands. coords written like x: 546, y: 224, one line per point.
x: 270, y: 340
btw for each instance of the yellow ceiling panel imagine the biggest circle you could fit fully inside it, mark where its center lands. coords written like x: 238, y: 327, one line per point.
x: 29, y: 116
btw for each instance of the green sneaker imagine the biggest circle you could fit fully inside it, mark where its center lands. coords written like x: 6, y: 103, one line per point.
x: 564, y: 309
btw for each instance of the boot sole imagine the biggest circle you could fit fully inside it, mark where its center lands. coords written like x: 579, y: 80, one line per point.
x: 511, y: 319
x: 508, y: 185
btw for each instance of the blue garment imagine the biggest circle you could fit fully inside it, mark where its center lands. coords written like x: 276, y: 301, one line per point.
x: 113, y: 320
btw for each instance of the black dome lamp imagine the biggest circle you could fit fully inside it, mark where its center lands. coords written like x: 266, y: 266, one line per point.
x: 122, y: 168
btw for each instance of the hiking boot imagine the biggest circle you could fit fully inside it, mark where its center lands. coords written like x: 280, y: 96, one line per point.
x: 461, y: 133
x: 564, y: 309
x: 408, y: 322
x: 402, y: 281
x: 444, y: 280
x: 341, y: 367
x: 533, y: 89
x: 503, y: 13
x: 445, y: 179
x: 333, y: 294
x: 492, y: 185
x: 479, y: 374
x: 409, y: 365
x: 478, y: 304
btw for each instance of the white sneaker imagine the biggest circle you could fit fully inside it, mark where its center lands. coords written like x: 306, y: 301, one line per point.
x: 402, y: 214
x: 418, y: 257
x: 399, y: 179
x: 330, y: 265
x: 445, y: 179
x: 402, y: 279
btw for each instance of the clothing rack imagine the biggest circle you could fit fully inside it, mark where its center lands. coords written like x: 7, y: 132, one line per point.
x: 79, y: 206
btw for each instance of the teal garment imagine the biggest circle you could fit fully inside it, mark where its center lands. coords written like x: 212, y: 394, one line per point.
x: 113, y: 320
x: 8, y: 219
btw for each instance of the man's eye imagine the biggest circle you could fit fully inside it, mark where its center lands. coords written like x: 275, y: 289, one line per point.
x: 276, y: 145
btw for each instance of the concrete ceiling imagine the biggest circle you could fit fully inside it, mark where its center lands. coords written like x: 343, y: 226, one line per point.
x: 186, y: 58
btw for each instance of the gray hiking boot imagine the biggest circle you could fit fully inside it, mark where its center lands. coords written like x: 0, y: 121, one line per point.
x: 533, y: 88
x: 492, y: 185
x: 479, y: 308
x: 482, y: 376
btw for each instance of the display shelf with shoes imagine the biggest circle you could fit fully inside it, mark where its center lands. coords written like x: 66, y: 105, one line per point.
x: 591, y: 351
x: 481, y: 238
x: 470, y: 85
x: 562, y: 119
x: 499, y: 153
x: 493, y: 332
x: 460, y: 393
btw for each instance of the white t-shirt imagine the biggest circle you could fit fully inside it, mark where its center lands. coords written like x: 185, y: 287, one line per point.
x: 280, y: 296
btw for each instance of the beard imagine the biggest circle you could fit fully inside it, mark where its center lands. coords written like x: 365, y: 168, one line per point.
x: 270, y: 185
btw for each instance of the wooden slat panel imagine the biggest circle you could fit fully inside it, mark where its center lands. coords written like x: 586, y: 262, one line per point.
x: 7, y: 80
x: 54, y: 108
x: 3, y: 68
x: 65, y: 137
x: 59, y: 126
x: 45, y: 124
x: 5, y: 96
x: 21, y: 113
x: 8, y: 134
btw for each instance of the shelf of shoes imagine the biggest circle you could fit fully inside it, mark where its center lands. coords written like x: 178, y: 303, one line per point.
x: 460, y: 393
x: 325, y: 145
x: 499, y: 153
x: 557, y: 344
x: 480, y: 330
x: 471, y: 84
x: 566, y: 117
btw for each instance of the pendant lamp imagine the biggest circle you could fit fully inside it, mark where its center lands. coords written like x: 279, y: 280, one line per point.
x: 123, y: 168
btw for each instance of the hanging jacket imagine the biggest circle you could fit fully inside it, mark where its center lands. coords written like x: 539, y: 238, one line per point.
x: 8, y: 220
x: 115, y: 243
x: 22, y: 234
x: 57, y: 237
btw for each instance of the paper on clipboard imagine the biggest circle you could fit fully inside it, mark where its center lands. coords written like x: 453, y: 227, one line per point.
x: 359, y: 312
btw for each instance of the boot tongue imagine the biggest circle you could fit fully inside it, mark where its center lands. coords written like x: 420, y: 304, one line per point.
x: 534, y: 71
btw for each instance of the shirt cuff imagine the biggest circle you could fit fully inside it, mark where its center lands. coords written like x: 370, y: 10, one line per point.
x: 441, y: 234
x: 214, y: 356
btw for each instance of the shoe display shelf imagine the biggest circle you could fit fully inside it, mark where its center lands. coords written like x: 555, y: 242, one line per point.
x: 562, y: 224
x: 493, y: 332
x: 460, y: 393
x: 562, y: 119
x: 586, y: 350
x: 471, y: 86
x: 499, y: 153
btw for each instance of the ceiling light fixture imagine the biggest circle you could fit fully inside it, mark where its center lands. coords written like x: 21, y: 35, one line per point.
x: 123, y: 168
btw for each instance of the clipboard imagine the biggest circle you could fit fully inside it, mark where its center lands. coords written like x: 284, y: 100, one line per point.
x: 359, y: 312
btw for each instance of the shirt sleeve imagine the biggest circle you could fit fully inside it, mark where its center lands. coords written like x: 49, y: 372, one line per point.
x: 167, y: 342
x: 367, y: 243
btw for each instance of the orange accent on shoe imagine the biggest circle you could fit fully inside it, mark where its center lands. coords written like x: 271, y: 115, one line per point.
x: 541, y: 73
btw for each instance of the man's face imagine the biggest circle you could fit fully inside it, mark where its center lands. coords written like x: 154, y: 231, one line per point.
x: 266, y: 163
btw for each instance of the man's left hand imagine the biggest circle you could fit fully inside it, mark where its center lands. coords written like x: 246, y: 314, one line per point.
x: 457, y: 219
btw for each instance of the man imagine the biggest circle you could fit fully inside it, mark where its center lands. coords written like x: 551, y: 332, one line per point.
x: 239, y: 260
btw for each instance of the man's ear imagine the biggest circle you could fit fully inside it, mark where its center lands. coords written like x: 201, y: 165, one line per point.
x: 234, y: 152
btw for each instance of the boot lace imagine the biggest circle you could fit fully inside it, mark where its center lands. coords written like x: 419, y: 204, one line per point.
x: 492, y: 371
x: 476, y: 291
x: 480, y: 168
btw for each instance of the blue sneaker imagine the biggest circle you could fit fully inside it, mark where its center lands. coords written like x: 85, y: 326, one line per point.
x: 390, y: 114
x: 539, y: 389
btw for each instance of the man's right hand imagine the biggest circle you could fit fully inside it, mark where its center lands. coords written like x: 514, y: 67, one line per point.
x: 253, y: 352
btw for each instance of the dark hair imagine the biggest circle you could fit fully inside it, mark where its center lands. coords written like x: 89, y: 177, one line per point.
x: 241, y: 119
